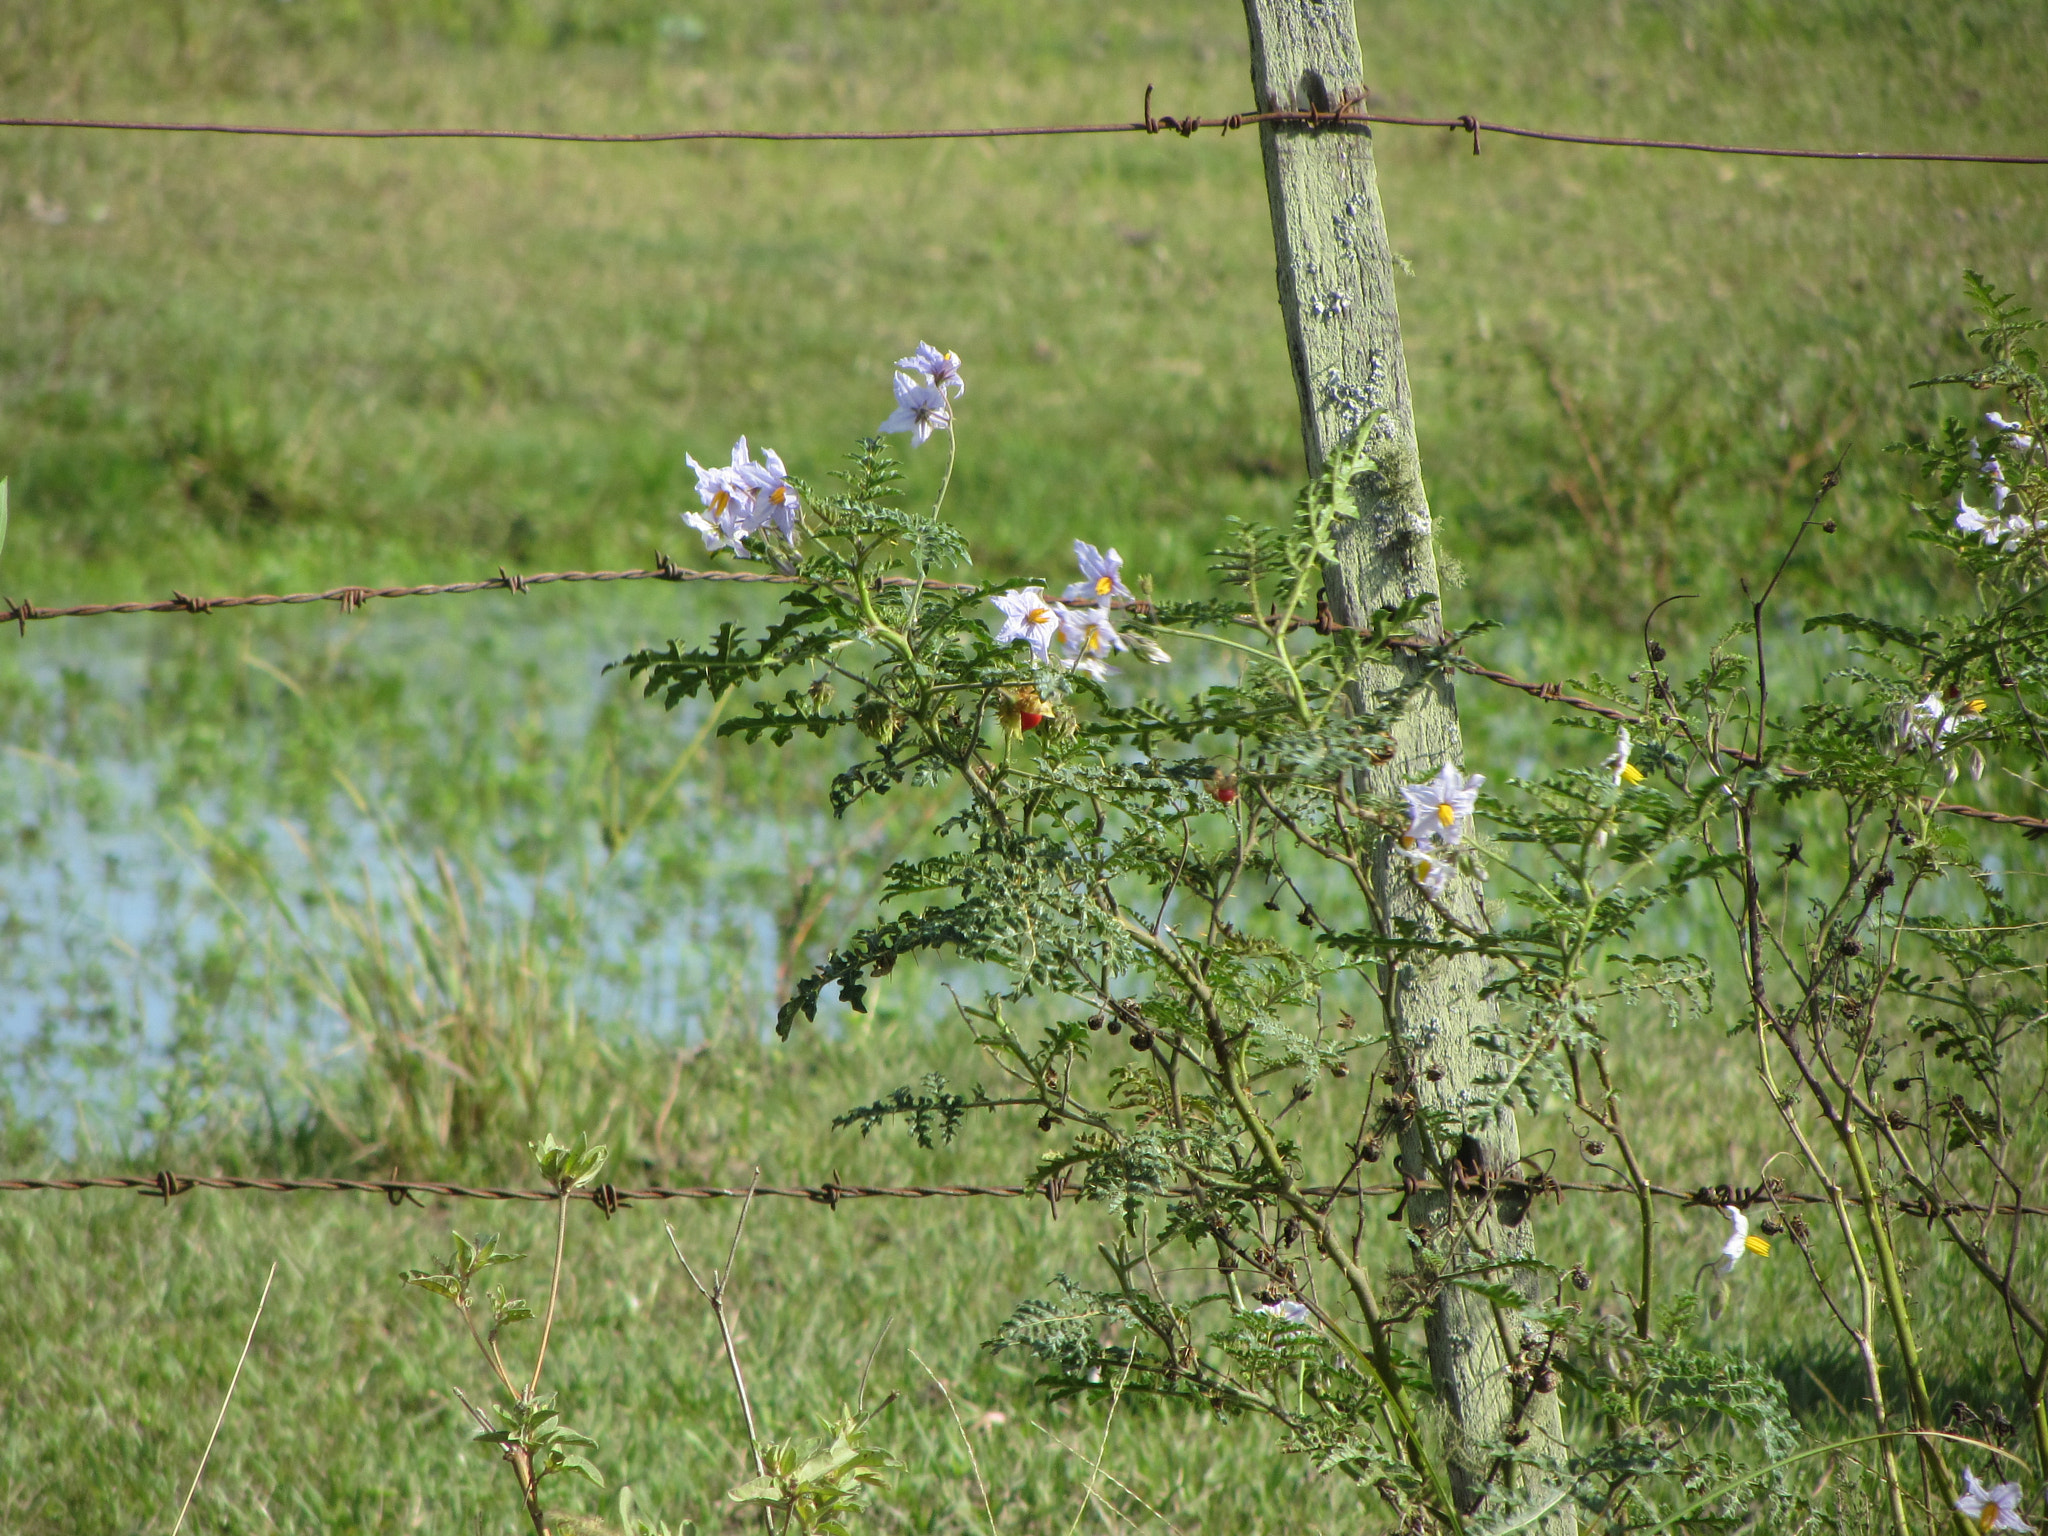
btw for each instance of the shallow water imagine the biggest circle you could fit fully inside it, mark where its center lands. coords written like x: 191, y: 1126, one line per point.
x: 178, y: 793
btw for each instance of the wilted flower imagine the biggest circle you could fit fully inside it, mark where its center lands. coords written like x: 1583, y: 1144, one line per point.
x: 1618, y: 763
x: 2011, y: 429
x: 1150, y: 649
x: 1739, y: 1242
x: 1028, y: 616
x: 921, y: 410
x: 941, y: 369
x: 1991, y: 1509
x: 1442, y: 809
x: 1090, y: 638
x: 1102, y: 573
x: 1431, y: 873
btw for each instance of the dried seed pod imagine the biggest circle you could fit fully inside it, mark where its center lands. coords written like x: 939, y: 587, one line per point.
x: 1581, y: 1281
x: 1095, y: 1021
x: 1770, y: 1226
x: 1545, y: 1380
x: 1434, y: 1074
x: 1371, y: 1150
x: 1141, y: 1039
x: 1339, y: 1070
x: 1045, y: 1122
x: 1595, y: 1148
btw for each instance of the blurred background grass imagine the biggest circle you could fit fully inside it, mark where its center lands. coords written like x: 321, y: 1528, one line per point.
x: 293, y: 891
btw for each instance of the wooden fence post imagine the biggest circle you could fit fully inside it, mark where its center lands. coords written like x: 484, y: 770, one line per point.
x: 1344, y: 335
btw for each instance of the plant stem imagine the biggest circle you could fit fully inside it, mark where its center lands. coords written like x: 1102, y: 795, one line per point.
x: 952, y: 453
x: 547, y: 1325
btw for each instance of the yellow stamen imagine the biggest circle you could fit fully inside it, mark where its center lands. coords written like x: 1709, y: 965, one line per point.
x: 1760, y: 1246
x: 1975, y: 706
x: 1445, y: 814
x: 1407, y: 841
x: 1104, y: 585
x: 719, y: 501
x: 1039, y: 616
x: 1987, y: 1520
x: 1630, y: 774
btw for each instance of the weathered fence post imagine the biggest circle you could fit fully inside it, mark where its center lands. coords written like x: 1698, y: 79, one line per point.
x: 1344, y: 334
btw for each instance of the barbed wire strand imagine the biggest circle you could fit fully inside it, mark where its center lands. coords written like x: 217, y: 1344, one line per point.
x: 1350, y: 116
x: 611, y: 1199
x: 21, y: 613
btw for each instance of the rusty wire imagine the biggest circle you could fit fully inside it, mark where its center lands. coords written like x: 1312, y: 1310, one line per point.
x: 611, y: 1199
x: 20, y: 613
x: 1350, y: 115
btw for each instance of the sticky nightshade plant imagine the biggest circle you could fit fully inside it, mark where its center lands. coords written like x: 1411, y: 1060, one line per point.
x: 1173, y: 890
x: 1198, y: 919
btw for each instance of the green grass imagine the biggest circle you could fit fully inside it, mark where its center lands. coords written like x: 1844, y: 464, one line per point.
x: 341, y: 361
x: 273, y: 364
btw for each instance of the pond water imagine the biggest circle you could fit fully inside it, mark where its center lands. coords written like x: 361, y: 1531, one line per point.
x: 201, y: 817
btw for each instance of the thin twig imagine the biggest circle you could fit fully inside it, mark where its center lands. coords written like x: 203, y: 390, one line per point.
x: 221, y: 1417
x: 714, y: 1295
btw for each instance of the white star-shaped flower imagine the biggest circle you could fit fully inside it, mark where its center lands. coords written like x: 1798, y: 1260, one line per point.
x: 1970, y: 520
x: 1102, y: 575
x: 775, y: 500
x: 941, y: 369
x: 1442, y: 808
x: 1991, y: 1509
x: 1288, y: 1310
x: 1090, y: 638
x: 726, y: 490
x: 1739, y: 1242
x: 921, y: 410
x: 724, y: 529
x: 1030, y: 617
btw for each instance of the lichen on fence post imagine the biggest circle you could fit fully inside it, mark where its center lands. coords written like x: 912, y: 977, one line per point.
x: 1344, y: 337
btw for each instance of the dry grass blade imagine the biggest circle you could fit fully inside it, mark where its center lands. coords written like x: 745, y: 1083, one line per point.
x: 221, y: 1417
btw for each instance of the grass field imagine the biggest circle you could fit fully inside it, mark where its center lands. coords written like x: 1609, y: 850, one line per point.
x: 231, y: 365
